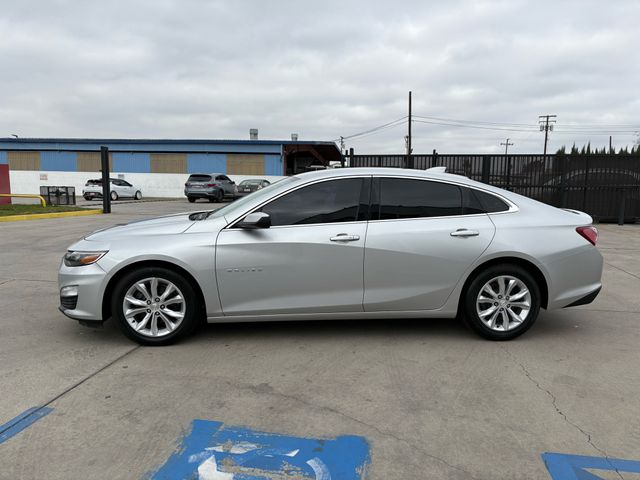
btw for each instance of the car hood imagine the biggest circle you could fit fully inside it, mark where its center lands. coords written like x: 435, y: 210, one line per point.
x: 169, y: 224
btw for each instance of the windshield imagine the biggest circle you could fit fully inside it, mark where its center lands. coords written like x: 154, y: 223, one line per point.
x: 251, y: 182
x: 259, y: 195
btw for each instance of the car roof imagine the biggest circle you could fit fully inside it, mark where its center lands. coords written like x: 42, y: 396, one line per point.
x: 204, y: 173
x: 435, y: 174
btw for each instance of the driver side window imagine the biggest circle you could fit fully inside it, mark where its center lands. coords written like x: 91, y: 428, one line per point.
x: 333, y: 201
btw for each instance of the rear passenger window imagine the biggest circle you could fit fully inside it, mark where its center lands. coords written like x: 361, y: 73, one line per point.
x: 407, y: 198
x: 491, y: 203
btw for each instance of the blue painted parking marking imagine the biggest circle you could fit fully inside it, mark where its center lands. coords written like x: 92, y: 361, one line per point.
x: 22, y: 421
x: 212, y: 451
x: 575, y: 467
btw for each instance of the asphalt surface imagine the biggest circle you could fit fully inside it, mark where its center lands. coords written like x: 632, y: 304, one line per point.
x: 431, y: 399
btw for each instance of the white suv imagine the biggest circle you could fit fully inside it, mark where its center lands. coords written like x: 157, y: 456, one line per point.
x: 118, y: 188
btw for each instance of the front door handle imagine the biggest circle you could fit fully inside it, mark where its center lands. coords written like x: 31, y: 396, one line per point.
x: 463, y: 232
x: 344, y: 237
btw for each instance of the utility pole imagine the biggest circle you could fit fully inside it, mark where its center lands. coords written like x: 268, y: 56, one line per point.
x: 546, y: 123
x: 409, y: 149
x: 610, y: 144
x: 506, y: 144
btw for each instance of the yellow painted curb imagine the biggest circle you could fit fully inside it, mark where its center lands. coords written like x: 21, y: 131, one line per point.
x: 38, y: 216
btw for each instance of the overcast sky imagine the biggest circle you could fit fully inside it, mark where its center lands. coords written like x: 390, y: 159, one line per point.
x: 207, y: 69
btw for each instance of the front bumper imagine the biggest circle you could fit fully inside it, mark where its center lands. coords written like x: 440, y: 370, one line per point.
x: 89, y: 281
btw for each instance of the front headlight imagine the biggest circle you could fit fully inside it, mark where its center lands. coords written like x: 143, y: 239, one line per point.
x: 78, y: 259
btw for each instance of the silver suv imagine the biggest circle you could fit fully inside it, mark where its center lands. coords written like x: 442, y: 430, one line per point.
x: 212, y: 186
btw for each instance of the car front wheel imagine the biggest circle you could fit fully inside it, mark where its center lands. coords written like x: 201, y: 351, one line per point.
x: 155, y: 306
x: 114, y: 196
x: 138, y: 195
x: 501, y: 302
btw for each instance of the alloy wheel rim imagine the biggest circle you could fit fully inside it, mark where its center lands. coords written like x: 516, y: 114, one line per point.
x: 503, y: 303
x: 154, y: 307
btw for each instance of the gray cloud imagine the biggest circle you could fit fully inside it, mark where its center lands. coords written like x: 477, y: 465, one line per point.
x: 201, y: 69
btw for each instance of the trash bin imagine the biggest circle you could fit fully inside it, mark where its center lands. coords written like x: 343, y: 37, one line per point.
x: 58, y: 195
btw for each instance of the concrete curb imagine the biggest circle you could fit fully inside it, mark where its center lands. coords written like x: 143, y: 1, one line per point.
x: 39, y: 216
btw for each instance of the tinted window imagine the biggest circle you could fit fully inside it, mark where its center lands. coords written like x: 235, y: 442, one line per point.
x: 125, y: 183
x: 405, y: 198
x: 470, y: 202
x: 199, y: 178
x: 325, y: 202
x: 491, y: 203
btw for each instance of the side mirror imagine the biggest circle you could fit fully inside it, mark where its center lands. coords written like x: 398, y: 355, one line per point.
x: 255, y: 220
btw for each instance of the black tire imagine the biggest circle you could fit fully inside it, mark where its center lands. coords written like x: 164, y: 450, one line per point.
x: 88, y: 199
x: 191, y: 199
x: 192, y: 313
x: 114, y: 196
x: 220, y: 196
x: 138, y: 195
x: 212, y: 199
x: 469, y: 297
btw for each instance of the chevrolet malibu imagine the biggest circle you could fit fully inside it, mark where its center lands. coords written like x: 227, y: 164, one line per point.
x: 339, y: 244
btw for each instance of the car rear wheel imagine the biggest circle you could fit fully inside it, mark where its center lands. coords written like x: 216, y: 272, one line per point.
x: 220, y: 196
x: 501, y: 302
x: 191, y: 199
x: 138, y: 195
x: 114, y: 196
x: 155, y: 306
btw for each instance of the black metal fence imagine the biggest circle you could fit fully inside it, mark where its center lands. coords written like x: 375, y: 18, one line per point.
x: 607, y: 187
x: 58, y: 195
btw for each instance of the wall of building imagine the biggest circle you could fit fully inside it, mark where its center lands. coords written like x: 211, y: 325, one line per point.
x: 163, y: 185
x: 146, y: 162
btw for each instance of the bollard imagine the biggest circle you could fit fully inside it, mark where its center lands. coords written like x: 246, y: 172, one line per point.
x: 621, y: 208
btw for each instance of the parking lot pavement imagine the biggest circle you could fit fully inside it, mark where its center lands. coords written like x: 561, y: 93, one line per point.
x: 431, y: 399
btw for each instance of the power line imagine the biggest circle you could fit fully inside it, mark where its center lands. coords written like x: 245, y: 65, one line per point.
x: 450, y: 120
x: 364, y: 135
x: 532, y: 129
x: 374, y: 129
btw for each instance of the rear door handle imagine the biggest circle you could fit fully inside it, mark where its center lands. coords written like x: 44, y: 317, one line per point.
x: 344, y: 237
x: 463, y: 232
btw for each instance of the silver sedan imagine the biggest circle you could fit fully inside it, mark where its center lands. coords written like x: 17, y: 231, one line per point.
x: 339, y: 244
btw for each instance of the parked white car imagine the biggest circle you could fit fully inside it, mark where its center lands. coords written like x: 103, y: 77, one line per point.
x: 119, y: 189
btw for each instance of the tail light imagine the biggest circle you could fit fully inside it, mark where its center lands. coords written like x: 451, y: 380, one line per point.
x: 211, y: 184
x: 590, y: 233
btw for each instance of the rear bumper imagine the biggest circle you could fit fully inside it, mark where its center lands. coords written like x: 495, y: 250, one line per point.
x: 590, y: 297
x: 213, y: 193
x: 575, y: 279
